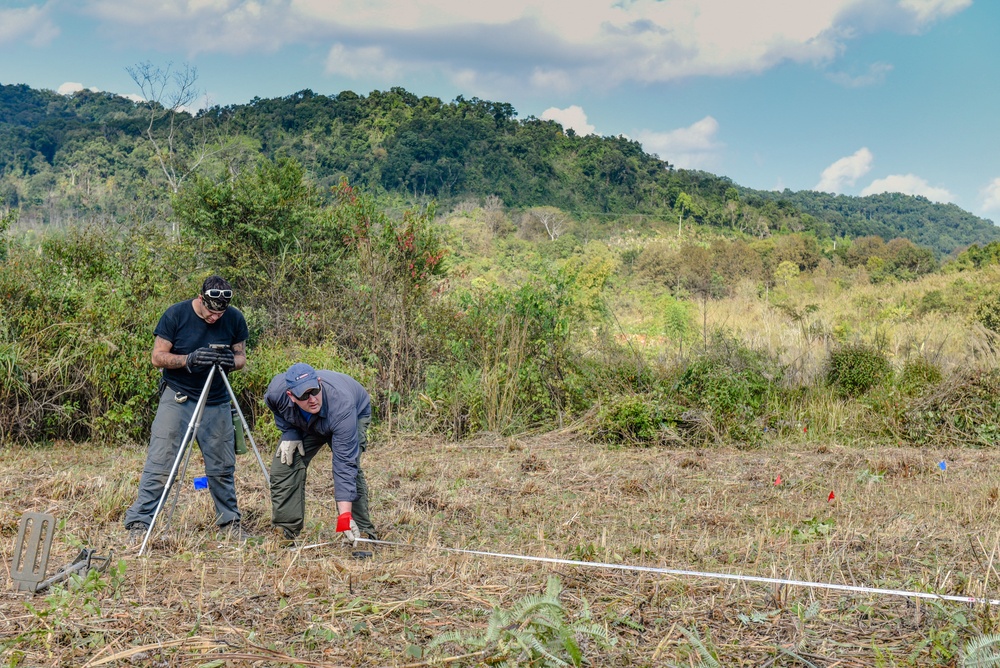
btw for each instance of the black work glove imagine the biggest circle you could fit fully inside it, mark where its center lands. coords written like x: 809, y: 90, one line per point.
x: 201, y: 358
x: 226, y: 359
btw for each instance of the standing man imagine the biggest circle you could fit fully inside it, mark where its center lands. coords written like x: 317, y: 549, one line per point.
x: 183, y: 350
x: 312, y: 409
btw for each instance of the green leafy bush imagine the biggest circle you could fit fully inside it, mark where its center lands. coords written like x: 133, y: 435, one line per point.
x: 917, y: 375
x: 632, y: 420
x: 965, y: 411
x: 853, y: 369
x: 988, y: 313
x: 729, y: 385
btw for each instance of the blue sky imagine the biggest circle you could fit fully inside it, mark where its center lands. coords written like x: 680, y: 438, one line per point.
x: 847, y: 96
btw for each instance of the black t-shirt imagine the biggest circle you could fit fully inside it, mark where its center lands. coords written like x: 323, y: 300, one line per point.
x: 180, y: 325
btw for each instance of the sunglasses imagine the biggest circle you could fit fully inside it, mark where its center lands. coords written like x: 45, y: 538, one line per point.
x: 308, y: 394
x: 216, y: 293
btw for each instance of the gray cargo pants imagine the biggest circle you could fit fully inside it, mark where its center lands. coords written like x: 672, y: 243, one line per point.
x: 216, y: 439
x: 288, y: 486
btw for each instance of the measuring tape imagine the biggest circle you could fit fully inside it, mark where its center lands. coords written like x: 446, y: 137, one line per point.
x: 682, y: 573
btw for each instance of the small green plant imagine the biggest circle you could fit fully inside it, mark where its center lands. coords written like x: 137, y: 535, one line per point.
x: 982, y: 651
x: 65, y: 601
x: 867, y: 476
x: 707, y: 655
x: 813, y: 528
x: 856, y: 368
x: 584, y: 552
x: 536, y: 631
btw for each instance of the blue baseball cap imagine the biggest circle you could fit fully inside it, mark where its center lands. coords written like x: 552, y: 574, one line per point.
x: 300, y: 378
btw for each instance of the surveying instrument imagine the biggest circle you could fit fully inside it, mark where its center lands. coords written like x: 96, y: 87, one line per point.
x: 185, y: 449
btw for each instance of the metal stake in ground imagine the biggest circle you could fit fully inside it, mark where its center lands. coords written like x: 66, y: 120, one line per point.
x: 188, y: 441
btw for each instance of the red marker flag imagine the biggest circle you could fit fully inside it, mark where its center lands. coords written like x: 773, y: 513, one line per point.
x: 831, y: 497
x: 343, y: 522
x: 777, y: 481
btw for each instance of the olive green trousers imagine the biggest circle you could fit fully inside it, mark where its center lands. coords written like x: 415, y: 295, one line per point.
x: 288, y: 486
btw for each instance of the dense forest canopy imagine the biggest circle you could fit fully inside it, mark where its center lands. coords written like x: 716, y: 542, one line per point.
x: 87, y: 156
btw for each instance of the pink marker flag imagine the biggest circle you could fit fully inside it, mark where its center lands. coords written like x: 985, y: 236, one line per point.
x: 777, y: 481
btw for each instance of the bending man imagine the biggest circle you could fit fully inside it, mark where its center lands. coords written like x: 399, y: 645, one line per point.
x: 182, y: 350
x: 313, y: 409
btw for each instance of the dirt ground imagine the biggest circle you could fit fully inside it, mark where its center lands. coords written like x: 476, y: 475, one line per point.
x: 897, y: 520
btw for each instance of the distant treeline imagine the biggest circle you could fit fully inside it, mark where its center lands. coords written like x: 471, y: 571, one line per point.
x: 99, y: 157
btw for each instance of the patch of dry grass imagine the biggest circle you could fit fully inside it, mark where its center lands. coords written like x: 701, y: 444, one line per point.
x: 897, y: 521
x: 798, y: 322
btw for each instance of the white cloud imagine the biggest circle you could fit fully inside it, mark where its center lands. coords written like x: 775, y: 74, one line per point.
x: 31, y: 24
x: 693, y: 147
x: 908, y: 184
x: 926, y: 11
x: 525, y: 42
x: 572, y: 116
x: 69, y: 88
x: 875, y: 75
x: 355, y: 63
x: 845, y: 172
x: 991, y: 196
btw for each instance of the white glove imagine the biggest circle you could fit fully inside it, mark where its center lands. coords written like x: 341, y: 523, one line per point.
x: 351, y: 534
x: 286, y: 451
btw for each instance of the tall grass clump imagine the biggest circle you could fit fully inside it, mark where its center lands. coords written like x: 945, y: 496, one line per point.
x: 498, y: 354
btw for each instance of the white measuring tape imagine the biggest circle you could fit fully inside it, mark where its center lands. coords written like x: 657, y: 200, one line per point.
x: 683, y: 573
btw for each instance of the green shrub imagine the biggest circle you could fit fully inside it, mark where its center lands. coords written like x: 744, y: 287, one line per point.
x: 854, y: 369
x: 632, y: 420
x: 988, y: 313
x: 965, y: 411
x: 917, y: 375
x: 932, y: 301
x: 730, y: 386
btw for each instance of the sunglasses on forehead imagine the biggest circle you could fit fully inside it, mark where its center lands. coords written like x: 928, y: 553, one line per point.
x: 216, y: 293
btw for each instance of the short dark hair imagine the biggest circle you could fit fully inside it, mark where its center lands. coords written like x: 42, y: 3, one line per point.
x: 215, y: 282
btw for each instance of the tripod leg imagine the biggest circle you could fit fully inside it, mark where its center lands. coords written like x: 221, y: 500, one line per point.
x: 187, y: 460
x: 246, y: 430
x: 188, y: 438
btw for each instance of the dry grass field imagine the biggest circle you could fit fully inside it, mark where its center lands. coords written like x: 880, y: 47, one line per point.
x: 896, y: 521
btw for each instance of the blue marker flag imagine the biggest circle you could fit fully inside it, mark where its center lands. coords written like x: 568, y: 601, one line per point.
x: 942, y: 465
x: 201, y: 483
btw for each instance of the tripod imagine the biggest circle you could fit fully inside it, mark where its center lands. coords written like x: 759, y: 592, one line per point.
x: 188, y: 440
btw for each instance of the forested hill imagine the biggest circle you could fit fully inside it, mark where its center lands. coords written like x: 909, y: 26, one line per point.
x: 85, y: 156
x: 942, y: 227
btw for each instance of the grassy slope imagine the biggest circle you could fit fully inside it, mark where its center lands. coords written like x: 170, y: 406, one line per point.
x: 897, y: 522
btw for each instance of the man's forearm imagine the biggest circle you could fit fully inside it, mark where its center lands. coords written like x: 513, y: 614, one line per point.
x: 165, y: 360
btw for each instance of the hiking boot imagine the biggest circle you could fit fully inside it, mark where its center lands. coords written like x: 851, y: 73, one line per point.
x: 136, y: 532
x: 234, y: 531
x: 283, y: 537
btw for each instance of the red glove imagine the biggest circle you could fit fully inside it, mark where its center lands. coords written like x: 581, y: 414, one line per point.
x: 346, y: 525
